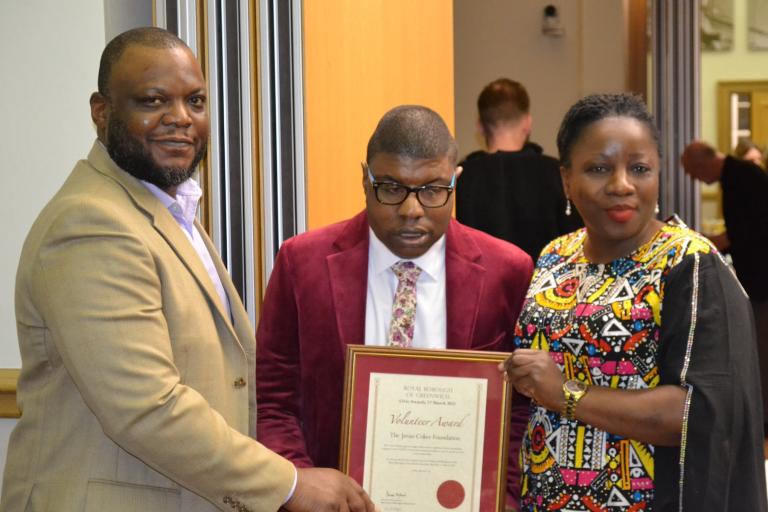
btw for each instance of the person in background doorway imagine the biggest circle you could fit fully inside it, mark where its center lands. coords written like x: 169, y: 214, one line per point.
x: 748, y: 150
x: 744, y: 188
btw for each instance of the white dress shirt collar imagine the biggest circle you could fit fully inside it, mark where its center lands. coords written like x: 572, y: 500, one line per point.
x: 431, y: 263
x: 430, y: 321
x: 183, y: 207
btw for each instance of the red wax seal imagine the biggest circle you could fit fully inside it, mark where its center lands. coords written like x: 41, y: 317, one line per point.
x: 450, y: 494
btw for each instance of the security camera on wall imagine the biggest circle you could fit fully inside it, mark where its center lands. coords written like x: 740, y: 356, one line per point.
x: 552, y: 25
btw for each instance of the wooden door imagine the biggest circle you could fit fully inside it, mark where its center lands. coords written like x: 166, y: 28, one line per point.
x: 759, y: 117
x: 741, y: 112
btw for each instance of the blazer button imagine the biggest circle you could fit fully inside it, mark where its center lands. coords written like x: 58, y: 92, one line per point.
x: 239, y: 382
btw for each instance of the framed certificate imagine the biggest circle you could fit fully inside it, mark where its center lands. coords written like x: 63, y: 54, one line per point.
x: 426, y: 430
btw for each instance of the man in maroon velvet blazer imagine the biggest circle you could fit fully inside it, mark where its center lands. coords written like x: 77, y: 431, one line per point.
x: 321, y: 290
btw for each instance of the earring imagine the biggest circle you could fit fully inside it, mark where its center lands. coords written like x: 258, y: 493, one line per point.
x: 656, y: 210
x: 567, y: 206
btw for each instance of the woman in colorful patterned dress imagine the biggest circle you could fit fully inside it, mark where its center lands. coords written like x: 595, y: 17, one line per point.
x: 636, y: 343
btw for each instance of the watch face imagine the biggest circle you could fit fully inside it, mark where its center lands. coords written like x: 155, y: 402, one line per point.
x: 575, y: 386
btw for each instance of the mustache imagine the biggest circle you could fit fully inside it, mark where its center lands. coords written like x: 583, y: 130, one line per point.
x: 131, y: 155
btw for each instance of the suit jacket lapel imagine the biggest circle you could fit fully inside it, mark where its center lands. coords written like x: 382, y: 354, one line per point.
x: 164, y: 223
x: 464, y: 282
x: 239, y: 320
x: 348, y: 273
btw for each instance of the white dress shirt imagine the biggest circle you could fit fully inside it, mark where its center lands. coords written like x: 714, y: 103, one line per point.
x: 430, y: 329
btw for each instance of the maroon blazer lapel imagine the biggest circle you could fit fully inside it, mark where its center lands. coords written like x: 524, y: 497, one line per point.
x: 348, y: 273
x: 464, y: 281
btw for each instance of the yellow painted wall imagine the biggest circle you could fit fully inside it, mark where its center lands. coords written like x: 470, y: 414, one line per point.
x: 740, y: 63
x: 362, y: 58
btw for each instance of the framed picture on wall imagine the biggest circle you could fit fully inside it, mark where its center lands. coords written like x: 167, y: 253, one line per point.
x: 757, y: 24
x: 716, y: 25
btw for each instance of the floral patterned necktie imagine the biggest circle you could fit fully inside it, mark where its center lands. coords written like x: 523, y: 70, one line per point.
x: 404, y: 305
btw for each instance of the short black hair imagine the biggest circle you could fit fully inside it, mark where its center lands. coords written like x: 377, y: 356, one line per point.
x: 596, y: 107
x: 502, y: 101
x: 412, y: 131
x: 152, y: 37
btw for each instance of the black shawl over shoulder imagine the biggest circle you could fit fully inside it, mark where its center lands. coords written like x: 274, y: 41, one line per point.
x: 722, y: 461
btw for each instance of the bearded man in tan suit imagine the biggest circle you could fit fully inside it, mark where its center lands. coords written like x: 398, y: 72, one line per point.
x: 136, y: 387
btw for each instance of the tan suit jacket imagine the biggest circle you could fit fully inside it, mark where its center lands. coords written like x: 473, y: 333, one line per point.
x: 136, y: 389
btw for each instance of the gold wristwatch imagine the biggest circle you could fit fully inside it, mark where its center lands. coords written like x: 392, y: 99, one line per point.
x: 574, y: 390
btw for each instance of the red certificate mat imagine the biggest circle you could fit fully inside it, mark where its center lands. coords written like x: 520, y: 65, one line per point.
x: 426, y: 429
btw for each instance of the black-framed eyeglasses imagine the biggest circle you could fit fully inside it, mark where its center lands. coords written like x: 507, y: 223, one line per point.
x: 393, y: 193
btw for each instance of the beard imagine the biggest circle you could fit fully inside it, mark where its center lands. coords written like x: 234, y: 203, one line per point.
x: 131, y: 156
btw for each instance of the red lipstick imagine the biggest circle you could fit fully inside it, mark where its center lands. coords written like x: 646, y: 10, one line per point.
x: 621, y: 214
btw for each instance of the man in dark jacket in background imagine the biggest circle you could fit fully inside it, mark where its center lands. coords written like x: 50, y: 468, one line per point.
x: 512, y: 190
x: 745, y: 211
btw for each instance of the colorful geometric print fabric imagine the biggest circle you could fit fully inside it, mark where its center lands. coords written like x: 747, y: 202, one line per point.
x: 600, y: 324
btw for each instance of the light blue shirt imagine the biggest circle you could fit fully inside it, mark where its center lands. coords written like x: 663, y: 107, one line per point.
x: 183, y: 207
